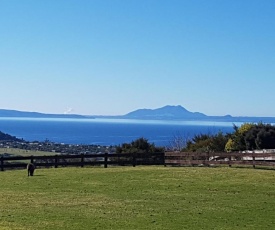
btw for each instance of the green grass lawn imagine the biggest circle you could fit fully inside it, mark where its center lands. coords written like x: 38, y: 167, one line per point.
x: 138, y: 198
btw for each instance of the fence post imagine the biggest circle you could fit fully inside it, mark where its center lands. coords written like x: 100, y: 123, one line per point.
x: 31, y: 159
x: 208, y: 160
x: 134, y: 160
x: 163, y: 159
x: 82, y: 160
x: 2, y: 163
x: 56, y: 161
x: 106, y: 160
x: 254, y: 166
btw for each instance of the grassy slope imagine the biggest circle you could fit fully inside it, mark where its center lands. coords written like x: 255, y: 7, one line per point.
x: 138, y: 198
x: 23, y: 152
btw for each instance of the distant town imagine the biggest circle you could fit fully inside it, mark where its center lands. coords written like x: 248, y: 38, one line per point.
x: 7, y: 142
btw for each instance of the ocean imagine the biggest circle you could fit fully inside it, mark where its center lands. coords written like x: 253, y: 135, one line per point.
x: 107, y: 132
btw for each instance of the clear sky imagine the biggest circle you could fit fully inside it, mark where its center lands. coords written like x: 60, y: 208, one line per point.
x: 110, y: 57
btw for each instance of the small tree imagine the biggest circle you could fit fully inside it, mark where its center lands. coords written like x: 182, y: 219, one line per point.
x: 237, y: 139
x: 179, y: 142
x: 207, y: 143
x: 140, y: 145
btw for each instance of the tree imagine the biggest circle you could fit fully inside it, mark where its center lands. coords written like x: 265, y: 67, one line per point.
x: 252, y: 136
x: 218, y: 142
x: 140, y: 145
x: 178, y: 142
x: 266, y: 137
x: 207, y: 143
x: 237, y: 139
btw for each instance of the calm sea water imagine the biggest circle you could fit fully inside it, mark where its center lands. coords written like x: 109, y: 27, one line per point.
x: 107, y: 131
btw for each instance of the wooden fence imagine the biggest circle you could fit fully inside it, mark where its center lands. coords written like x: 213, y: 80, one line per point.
x: 213, y: 159
x: 127, y: 159
x: 16, y: 162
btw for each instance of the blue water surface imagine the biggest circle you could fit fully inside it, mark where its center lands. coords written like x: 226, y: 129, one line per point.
x: 107, y: 131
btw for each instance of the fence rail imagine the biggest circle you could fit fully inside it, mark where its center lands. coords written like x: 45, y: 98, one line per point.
x: 209, y: 159
x: 81, y: 160
x: 130, y: 159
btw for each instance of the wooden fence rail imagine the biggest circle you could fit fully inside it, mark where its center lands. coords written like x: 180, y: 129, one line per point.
x: 81, y: 160
x: 127, y: 159
x: 209, y: 159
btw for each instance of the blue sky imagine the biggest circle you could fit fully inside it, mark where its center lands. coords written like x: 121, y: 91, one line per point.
x: 110, y: 57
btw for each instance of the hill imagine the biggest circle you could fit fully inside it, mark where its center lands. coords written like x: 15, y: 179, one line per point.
x: 15, y: 113
x: 166, y: 112
x: 170, y: 112
x: 7, y: 137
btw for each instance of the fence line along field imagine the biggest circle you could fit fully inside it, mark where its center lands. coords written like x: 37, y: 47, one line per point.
x: 144, y: 197
x: 259, y: 159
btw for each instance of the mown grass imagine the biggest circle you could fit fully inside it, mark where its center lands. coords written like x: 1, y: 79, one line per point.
x: 22, y: 152
x: 138, y: 198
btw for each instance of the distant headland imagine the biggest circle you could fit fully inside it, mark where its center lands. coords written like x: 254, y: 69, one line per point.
x: 168, y: 112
